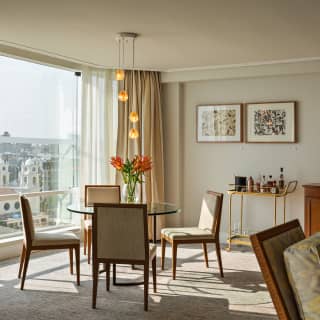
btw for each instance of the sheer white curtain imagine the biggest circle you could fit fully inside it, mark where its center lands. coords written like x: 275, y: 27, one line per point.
x: 97, y: 128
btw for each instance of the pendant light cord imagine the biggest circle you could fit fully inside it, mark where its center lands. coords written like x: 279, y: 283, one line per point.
x: 133, y: 54
x: 119, y: 58
x: 122, y: 40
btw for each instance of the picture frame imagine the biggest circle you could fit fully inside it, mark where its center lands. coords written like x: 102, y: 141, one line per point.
x: 219, y: 123
x: 271, y: 122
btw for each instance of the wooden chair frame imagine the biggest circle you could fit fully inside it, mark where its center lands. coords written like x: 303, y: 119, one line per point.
x: 174, y: 243
x: 268, y: 274
x: 28, y: 247
x: 87, y: 237
x: 107, y: 262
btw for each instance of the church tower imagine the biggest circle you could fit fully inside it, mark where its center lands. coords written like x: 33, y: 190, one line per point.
x: 4, y: 173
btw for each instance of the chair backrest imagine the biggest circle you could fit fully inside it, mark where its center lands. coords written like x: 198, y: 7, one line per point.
x: 269, y: 246
x: 120, y: 233
x: 210, y: 214
x: 101, y: 194
x: 26, y: 214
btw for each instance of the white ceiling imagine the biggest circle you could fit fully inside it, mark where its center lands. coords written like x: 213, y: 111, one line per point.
x: 173, y: 34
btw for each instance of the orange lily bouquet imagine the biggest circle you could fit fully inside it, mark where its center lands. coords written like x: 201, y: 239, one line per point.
x: 132, y: 172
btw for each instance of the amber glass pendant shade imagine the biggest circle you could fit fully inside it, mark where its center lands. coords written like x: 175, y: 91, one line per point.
x: 133, y: 133
x: 120, y: 74
x: 133, y: 117
x: 123, y: 96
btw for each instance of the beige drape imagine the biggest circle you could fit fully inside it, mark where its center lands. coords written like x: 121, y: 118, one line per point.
x: 143, y: 88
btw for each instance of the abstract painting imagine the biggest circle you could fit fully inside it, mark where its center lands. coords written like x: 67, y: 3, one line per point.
x: 271, y: 122
x: 219, y: 123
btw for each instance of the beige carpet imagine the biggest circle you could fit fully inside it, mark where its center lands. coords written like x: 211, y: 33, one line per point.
x: 198, y: 293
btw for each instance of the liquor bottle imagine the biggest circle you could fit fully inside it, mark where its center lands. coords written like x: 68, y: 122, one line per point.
x: 263, y: 184
x: 281, y: 179
x: 250, y: 184
x: 258, y: 184
x: 274, y: 188
x: 270, y: 183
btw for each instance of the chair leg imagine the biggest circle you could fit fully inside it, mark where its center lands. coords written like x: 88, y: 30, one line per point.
x: 146, y: 285
x: 95, y: 274
x: 174, y: 259
x: 22, y: 257
x: 108, y: 276
x: 154, y: 274
x: 85, y: 238
x: 89, y: 237
x: 219, y: 258
x: 114, y: 273
x: 163, y: 251
x: 25, y: 268
x: 205, y: 252
x: 77, y: 252
x: 71, y: 260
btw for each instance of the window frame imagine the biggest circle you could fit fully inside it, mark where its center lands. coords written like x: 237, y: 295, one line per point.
x: 65, y: 65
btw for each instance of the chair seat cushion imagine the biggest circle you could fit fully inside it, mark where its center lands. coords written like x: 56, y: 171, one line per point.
x: 152, y: 251
x: 186, y: 233
x: 52, y: 239
x: 88, y: 224
x: 302, y: 262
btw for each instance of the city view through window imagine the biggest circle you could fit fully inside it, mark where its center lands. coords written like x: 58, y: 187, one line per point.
x: 39, y: 123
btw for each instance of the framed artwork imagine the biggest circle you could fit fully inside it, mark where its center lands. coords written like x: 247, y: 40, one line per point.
x: 271, y: 122
x: 219, y: 123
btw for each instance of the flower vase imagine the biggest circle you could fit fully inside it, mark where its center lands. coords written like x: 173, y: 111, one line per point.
x: 130, y: 195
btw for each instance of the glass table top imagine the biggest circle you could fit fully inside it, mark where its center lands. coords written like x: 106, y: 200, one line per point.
x: 153, y: 208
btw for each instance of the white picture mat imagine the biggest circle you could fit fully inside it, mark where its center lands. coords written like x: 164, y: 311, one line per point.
x: 290, y: 121
x: 204, y: 138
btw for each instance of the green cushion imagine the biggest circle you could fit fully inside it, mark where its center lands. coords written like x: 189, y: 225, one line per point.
x: 302, y: 262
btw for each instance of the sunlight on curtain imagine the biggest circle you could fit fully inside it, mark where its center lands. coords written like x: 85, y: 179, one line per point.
x: 97, y: 128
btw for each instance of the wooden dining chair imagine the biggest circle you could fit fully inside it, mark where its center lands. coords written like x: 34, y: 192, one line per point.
x: 97, y: 194
x: 207, y: 231
x: 120, y: 236
x: 44, y: 241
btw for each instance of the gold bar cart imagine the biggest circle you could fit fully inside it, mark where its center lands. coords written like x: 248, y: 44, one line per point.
x: 241, y: 238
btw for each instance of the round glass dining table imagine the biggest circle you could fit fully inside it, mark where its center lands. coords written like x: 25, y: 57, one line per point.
x: 154, y: 209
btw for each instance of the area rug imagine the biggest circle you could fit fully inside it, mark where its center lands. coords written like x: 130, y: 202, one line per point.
x: 197, y: 293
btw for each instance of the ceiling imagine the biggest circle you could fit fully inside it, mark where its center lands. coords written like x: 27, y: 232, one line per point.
x: 174, y: 34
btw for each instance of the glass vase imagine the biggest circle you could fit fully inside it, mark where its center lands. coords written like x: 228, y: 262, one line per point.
x: 130, y: 195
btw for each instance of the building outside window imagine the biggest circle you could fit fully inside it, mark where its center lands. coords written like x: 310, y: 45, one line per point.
x: 39, y: 143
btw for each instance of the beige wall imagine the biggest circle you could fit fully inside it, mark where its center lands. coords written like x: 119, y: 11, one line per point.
x: 173, y: 145
x: 212, y: 166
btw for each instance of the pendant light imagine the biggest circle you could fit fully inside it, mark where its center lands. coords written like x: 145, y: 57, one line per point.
x: 120, y: 74
x: 120, y: 71
x: 123, y: 39
x: 133, y: 116
x: 133, y: 133
x: 123, y: 96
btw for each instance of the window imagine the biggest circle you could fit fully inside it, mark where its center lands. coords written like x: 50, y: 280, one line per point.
x: 39, y: 142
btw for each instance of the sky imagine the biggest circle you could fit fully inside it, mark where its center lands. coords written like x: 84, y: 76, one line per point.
x: 36, y: 101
